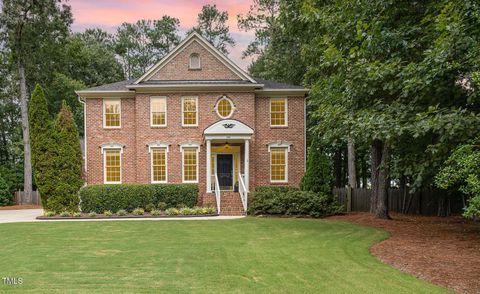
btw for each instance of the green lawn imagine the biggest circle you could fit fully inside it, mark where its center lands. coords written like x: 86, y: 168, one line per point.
x: 239, y: 256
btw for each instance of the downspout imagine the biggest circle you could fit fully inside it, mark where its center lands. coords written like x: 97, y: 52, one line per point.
x: 84, y: 136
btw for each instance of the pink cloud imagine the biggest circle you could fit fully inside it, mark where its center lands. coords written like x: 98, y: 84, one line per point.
x: 108, y: 14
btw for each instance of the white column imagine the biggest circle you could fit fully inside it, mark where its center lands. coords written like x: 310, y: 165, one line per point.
x: 247, y: 164
x: 209, y: 166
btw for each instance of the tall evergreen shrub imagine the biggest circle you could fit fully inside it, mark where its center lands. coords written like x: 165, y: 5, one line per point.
x: 319, y: 174
x: 43, y: 145
x: 68, y: 163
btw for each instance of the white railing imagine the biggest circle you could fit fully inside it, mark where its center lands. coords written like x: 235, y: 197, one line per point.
x: 217, y: 193
x: 243, y: 191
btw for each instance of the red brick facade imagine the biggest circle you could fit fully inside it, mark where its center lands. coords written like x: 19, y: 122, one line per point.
x: 135, y: 134
x: 251, y: 107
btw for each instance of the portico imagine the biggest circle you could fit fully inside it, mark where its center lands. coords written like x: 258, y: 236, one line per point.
x: 225, y: 140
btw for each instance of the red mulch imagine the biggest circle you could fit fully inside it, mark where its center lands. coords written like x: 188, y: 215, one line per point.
x: 26, y: 206
x: 443, y: 251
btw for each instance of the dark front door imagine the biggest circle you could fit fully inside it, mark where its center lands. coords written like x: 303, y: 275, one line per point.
x: 225, y: 171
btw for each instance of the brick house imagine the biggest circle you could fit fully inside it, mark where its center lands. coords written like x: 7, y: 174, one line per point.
x: 196, y: 117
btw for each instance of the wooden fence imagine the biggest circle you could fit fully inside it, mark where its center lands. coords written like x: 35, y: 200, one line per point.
x: 428, y: 202
x: 19, y: 198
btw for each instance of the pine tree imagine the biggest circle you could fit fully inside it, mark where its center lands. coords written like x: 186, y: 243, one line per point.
x: 43, y: 145
x: 318, y: 177
x: 68, y: 163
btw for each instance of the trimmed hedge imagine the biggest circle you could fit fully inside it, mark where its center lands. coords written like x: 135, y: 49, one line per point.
x: 99, y: 198
x: 290, y: 201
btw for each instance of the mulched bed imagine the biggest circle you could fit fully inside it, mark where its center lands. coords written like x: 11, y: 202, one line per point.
x: 25, y: 206
x: 100, y: 216
x: 443, y: 251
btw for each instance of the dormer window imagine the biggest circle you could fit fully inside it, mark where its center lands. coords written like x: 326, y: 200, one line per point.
x: 195, y: 61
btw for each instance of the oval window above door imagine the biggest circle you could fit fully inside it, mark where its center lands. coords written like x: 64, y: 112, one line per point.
x: 224, y: 107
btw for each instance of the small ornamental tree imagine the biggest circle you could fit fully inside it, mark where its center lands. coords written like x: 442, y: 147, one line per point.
x: 5, y: 195
x: 68, y: 162
x: 319, y: 175
x: 43, y: 144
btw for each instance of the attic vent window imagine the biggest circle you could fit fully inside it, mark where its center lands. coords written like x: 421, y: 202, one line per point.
x: 195, y: 61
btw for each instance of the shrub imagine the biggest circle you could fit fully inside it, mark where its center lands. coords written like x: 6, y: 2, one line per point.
x: 175, y: 194
x: 290, y: 202
x: 155, y: 212
x: 92, y: 214
x: 49, y: 213
x: 172, y: 211
x: 209, y: 210
x: 5, y: 195
x: 130, y: 196
x: 198, y: 210
x: 149, y: 207
x: 187, y: 211
x: 318, y: 176
x: 43, y: 147
x: 122, y: 212
x: 76, y: 214
x: 162, y: 206
x: 68, y: 161
x: 65, y: 214
x: 138, y: 211
x: 107, y: 213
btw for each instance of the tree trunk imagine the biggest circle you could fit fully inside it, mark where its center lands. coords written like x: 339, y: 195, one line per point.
x: 337, y: 168
x: 352, y: 169
x: 376, y: 157
x: 383, y: 184
x: 364, y: 173
x: 27, y: 165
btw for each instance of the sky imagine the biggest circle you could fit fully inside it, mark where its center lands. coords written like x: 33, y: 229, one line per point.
x: 109, y: 14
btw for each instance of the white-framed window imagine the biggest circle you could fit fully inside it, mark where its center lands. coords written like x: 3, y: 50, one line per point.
x: 159, y: 165
x: 278, y: 165
x: 112, y: 163
x: 224, y: 107
x: 190, y: 162
x: 190, y: 111
x: 194, y: 62
x: 279, y: 161
x: 158, y: 111
x: 112, y: 113
x: 278, y: 112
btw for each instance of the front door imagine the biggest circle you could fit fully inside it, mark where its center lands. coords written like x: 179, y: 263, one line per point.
x: 225, y: 171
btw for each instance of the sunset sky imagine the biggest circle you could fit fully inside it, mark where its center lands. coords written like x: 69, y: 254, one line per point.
x: 108, y: 14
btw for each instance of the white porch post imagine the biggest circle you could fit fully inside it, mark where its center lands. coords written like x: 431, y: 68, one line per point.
x: 209, y: 166
x: 247, y: 164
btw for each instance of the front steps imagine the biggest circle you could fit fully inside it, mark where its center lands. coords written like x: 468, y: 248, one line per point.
x: 230, y: 203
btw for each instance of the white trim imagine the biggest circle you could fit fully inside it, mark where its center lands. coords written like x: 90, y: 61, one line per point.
x: 111, y: 146
x: 279, y: 144
x: 196, y: 111
x: 190, y: 61
x: 209, y: 166
x: 187, y: 41
x: 84, y: 137
x: 151, y: 112
x: 280, y: 93
x: 224, y: 97
x: 150, y: 150
x: 106, y: 93
x: 119, y: 109
x: 286, y: 150
x: 286, y: 113
x: 197, y: 147
x: 158, y: 144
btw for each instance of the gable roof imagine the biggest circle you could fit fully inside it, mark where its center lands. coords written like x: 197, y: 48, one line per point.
x: 194, y: 36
